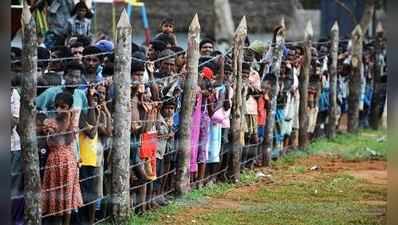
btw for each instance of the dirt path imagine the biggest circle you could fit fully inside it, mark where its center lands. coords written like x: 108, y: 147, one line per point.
x: 368, y: 180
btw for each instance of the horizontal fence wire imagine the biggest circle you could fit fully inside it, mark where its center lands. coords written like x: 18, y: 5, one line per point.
x: 171, y: 78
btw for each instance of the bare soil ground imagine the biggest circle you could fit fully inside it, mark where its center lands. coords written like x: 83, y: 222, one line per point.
x: 370, y: 174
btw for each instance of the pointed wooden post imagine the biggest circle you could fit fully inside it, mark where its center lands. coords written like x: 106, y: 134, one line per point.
x: 303, y: 87
x: 27, y: 120
x: 239, y: 41
x: 378, y: 71
x: 355, y: 80
x: 122, y: 121
x: 277, y: 53
x: 190, y: 84
x: 331, y: 127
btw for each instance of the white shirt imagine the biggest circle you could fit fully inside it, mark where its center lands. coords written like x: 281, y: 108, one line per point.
x: 15, y: 106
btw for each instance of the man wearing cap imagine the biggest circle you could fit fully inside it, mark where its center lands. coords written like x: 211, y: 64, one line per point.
x: 256, y: 51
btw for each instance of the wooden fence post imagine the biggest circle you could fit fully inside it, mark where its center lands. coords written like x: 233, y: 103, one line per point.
x: 122, y: 122
x: 277, y: 53
x: 303, y: 87
x: 190, y: 84
x: 331, y: 128
x: 378, y: 71
x: 239, y: 39
x: 27, y: 120
x: 355, y: 80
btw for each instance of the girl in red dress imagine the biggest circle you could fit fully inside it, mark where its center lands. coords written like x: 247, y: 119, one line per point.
x: 60, y: 187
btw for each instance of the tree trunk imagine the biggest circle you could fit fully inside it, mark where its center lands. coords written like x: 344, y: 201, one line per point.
x: 303, y: 88
x: 277, y: 52
x: 377, y: 86
x: 27, y: 121
x: 122, y: 123
x: 224, y: 27
x: 355, y: 81
x: 332, y: 118
x: 184, y: 137
x: 239, y: 38
x: 367, y: 15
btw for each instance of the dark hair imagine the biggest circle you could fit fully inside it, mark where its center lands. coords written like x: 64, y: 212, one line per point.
x: 168, y: 101
x: 85, y: 40
x: 205, y: 41
x: 158, y: 45
x: 135, y: 47
x: 52, y: 78
x: 77, y: 44
x: 16, y: 80
x: 177, y: 49
x: 43, y: 53
x: 73, y: 66
x: 245, y: 66
x: 137, y: 64
x: 16, y: 53
x: 62, y: 51
x: 40, y: 116
x: 91, y: 50
x: 168, y: 20
x: 64, y: 97
x: 166, y: 38
x: 79, y: 5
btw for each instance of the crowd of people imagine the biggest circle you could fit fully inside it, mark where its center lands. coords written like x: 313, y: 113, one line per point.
x: 75, y: 106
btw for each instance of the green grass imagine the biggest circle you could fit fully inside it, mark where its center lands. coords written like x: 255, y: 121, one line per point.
x: 328, y: 200
x: 325, y: 200
x: 366, y: 145
x: 194, y: 197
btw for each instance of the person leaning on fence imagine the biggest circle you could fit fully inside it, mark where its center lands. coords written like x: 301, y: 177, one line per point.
x: 204, y: 82
x: 251, y: 88
x: 104, y: 144
x: 73, y: 77
x: 143, y: 134
x: 165, y: 148
x: 91, y: 157
x: 60, y: 186
x: 215, y: 100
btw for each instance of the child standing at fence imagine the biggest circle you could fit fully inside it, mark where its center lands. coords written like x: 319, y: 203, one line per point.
x: 165, y: 148
x: 90, y: 158
x: 60, y: 187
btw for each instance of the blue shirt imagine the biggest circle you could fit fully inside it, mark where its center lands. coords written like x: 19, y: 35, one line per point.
x: 46, y: 100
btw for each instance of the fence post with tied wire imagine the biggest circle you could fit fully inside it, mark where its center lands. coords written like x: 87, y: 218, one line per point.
x: 30, y: 167
x: 122, y: 122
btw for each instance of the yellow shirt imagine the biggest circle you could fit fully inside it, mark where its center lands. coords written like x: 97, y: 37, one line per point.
x: 88, y: 150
